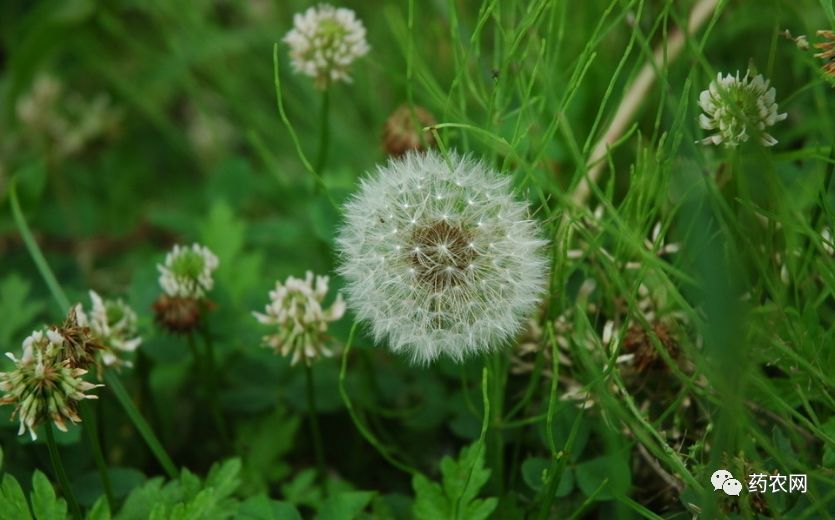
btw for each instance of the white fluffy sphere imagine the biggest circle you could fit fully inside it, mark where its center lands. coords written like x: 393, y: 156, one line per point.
x: 439, y: 256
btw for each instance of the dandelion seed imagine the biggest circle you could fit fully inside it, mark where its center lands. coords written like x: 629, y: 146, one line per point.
x: 738, y: 108
x: 187, y: 272
x: 459, y: 285
x: 43, y: 384
x: 324, y: 42
x: 296, y: 308
x: 113, y: 322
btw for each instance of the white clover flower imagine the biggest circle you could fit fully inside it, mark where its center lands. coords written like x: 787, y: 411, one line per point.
x: 439, y: 257
x: 324, y: 42
x: 738, y: 108
x: 187, y: 272
x: 296, y: 307
x: 43, y: 385
x: 113, y: 322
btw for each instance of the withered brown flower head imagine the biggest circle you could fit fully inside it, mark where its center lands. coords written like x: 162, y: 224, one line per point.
x: 639, y: 342
x: 401, y: 134
x: 178, y: 314
x: 81, y: 345
x: 827, y: 53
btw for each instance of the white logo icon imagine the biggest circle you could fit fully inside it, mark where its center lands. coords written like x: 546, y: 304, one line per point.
x: 719, y: 477
x: 732, y: 487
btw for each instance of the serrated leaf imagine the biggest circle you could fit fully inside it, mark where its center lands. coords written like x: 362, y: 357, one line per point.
x: 45, y: 503
x: 12, y: 501
x: 262, y: 508
x: 345, y: 506
x: 462, y: 480
x: 224, y: 478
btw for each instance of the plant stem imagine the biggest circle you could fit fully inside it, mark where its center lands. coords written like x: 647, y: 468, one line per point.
x: 496, y: 439
x: 140, y: 424
x: 363, y: 429
x: 58, y: 466
x: 314, y: 423
x: 91, y: 431
x: 324, y: 132
x: 211, y: 380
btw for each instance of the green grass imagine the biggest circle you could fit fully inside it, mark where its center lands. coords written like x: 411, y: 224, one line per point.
x: 217, y: 141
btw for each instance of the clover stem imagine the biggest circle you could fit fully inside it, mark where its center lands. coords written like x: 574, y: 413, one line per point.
x: 314, y: 423
x: 58, y: 467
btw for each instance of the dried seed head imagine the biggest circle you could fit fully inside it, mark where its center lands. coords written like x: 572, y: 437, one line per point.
x: 177, y: 314
x: 639, y: 342
x: 827, y: 54
x: 44, y: 384
x: 81, y: 346
x: 402, y: 131
x: 439, y: 257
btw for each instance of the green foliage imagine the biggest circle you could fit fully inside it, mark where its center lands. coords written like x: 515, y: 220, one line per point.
x: 456, y: 496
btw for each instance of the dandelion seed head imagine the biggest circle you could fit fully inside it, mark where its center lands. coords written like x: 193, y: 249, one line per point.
x: 464, y: 276
x: 738, y: 108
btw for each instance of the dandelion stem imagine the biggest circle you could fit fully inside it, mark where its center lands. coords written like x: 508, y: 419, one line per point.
x: 58, y: 467
x: 496, y: 439
x: 324, y: 133
x: 314, y: 423
x: 91, y: 431
x: 115, y: 385
x: 60, y: 298
x: 364, y: 431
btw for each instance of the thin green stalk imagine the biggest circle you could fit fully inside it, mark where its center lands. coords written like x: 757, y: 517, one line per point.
x: 61, y: 299
x: 58, y: 466
x: 210, y: 379
x: 324, y: 132
x: 91, y: 431
x: 364, y: 431
x: 314, y: 423
x: 115, y: 384
x: 35, y: 251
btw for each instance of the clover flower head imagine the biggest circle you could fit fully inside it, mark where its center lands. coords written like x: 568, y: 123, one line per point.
x: 296, y: 308
x: 738, y: 108
x: 187, y: 271
x: 44, y: 384
x: 113, y: 322
x: 439, y: 256
x: 324, y: 42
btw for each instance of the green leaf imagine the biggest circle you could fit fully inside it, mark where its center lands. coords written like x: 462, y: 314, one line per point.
x: 17, y: 307
x: 100, y: 510
x: 612, y: 469
x: 224, y: 478
x: 45, y: 504
x: 12, y: 501
x: 345, y: 506
x: 462, y: 479
x: 828, y: 450
x: 262, y: 508
x: 829, y: 9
